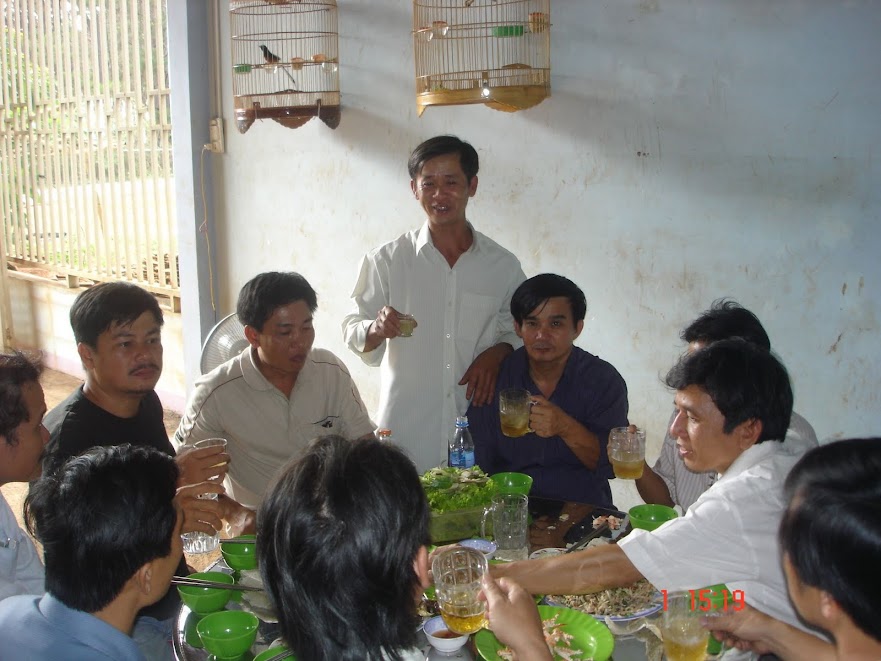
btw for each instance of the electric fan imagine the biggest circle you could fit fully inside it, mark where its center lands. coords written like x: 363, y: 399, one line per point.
x: 226, y: 340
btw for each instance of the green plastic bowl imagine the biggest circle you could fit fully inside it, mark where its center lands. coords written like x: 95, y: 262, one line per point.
x: 206, y: 600
x: 513, y: 483
x: 240, y: 556
x: 649, y: 517
x: 228, y: 634
x: 272, y: 651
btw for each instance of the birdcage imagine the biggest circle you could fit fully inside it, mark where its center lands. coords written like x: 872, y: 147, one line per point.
x: 494, y: 52
x: 285, y: 61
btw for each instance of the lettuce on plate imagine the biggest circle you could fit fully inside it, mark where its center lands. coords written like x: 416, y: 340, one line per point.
x: 451, y: 489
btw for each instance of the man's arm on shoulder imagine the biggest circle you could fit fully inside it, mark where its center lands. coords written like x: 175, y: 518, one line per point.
x: 582, y: 572
x: 481, y: 375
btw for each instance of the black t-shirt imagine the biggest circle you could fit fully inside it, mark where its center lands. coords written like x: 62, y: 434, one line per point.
x: 77, y: 424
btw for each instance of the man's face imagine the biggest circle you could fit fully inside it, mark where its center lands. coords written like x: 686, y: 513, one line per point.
x: 20, y: 461
x: 443, y: 190
x: 697, y: 428
x: 127, y: 359
x: 286, y: 339
x: 549, y: 331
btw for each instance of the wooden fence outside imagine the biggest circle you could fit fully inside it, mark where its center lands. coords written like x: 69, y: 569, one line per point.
x: 86, y: 180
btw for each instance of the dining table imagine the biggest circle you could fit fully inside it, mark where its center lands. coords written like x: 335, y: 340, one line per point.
x: 552, y: 524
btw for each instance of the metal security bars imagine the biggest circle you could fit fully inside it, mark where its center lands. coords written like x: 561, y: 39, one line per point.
x: 86, y: 187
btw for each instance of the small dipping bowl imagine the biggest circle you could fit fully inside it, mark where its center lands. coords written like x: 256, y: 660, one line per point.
x: 228, y: 634
x: 240, y: 556
x: 206, y: 600
x: 519, y: 483
x: 649, y: 517
x: 440, y: 636
x: 485, y: 546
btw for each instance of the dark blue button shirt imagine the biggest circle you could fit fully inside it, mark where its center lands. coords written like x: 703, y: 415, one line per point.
x: 591, y: 391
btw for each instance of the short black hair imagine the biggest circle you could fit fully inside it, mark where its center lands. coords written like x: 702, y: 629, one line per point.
x: 100, y: 517
x: 442, y: 145
x: 744, y: 381
x: 263, y: 294
x: 108, y: 303
x: 724, y: 320
x: 831, y: 530
x: 538, y: 289
x: 337, y: 534
x: 16, y: 371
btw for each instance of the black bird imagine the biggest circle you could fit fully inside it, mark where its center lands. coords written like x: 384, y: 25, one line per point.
x: 269, y: 56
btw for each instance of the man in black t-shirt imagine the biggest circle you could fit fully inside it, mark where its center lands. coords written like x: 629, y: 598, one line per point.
x: 117, y: 327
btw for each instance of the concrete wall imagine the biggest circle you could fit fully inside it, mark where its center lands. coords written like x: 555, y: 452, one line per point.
x: 690, y: 150
x: 41, y: 321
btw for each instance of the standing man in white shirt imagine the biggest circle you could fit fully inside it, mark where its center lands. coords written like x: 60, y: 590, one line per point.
x: 457, y: 284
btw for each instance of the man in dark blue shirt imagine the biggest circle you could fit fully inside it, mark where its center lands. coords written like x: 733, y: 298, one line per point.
x: 577, y: 398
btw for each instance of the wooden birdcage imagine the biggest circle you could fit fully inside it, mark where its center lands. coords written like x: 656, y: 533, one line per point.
x: 496, y: 52
x: 285, y: 61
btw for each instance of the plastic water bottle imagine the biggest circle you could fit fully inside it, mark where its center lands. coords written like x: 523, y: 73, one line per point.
x: 461, y: 445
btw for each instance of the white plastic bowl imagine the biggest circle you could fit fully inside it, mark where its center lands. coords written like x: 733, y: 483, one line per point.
x: 436, y: 625
x: 485, y: 546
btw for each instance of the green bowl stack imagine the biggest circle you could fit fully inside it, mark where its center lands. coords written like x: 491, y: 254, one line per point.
x: 240, y: 556
x: 206, y: 600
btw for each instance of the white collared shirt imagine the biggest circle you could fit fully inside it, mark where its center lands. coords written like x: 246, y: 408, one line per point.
x: 263, y: 428
x: 729, y: 535
x: 460, y: 312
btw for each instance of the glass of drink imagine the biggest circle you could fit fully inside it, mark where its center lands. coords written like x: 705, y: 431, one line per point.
x: 457, y: 572
x: 627, y: 452
x: 685, y: 638
x: 200, y: 542
x: 407, y: 323
x: 514, y: 407
x: 509, y: 517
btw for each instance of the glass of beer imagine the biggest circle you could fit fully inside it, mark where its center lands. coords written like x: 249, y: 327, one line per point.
x: 514, y: 407
x: 627, y: 452
x: 685, y: 638
x: 200, y: 542
x: 407, y: 323
x: 457, y: 572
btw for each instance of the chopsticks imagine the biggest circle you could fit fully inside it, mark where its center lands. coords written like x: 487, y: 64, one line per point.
x: 237, y: 540
x: 199, y: 583
x: 584, y: 541
x: 287, y: 654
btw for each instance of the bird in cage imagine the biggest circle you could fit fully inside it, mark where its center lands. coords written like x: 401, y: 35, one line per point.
x: 268, y: 55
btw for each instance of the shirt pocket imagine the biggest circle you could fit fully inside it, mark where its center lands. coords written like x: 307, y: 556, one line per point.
x: 477, y: 319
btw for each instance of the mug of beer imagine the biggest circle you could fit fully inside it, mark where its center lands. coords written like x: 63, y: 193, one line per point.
x: 514, y: 407
x: 407, y: 323
x: 457, y: 572
x: 685, y: 638
x: 627, y: 452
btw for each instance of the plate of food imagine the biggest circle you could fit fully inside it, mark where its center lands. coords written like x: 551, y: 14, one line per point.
x: 569, y: 634
x: 618, y: 604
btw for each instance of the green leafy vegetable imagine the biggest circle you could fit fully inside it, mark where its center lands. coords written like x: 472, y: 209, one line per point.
x: 451, y: 489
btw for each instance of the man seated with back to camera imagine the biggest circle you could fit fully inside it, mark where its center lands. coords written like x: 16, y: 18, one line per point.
x: 342, y: 541
x: 669, y: 482
x: 577, y: 398
x: 831, y: 541
x: 733, y: 403
x: 110, y: 527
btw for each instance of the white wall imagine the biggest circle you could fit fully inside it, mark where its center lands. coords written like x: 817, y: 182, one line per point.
x: 690, y: 150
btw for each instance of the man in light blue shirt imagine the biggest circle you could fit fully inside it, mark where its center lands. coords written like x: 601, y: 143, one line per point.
x: 110, y: 528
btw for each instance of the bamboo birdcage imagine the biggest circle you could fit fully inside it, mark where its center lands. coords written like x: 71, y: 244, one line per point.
x: 496, y: 52
x: 285, y: 61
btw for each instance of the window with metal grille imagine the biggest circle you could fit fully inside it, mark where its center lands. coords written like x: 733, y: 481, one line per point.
x: 86, y: 182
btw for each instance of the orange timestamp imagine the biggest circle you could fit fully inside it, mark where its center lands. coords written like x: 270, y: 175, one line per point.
x: 712, y: 599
